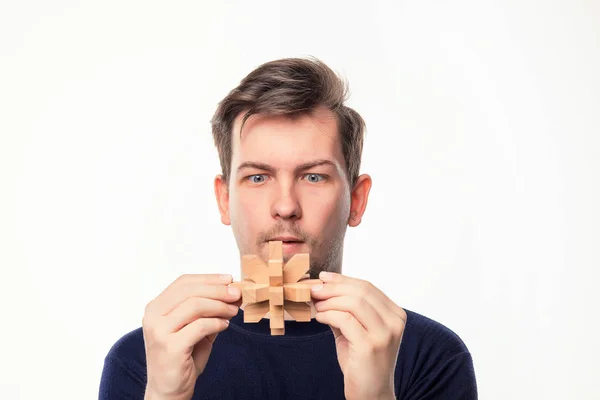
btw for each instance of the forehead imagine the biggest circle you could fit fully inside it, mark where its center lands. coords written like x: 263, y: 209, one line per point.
x: 284, y: 142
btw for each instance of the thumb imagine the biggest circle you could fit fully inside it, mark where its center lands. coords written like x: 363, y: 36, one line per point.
x: 336, y: 333
x: 202, y: 351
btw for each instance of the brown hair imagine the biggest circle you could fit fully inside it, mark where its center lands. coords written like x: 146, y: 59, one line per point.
x: 292, y: 87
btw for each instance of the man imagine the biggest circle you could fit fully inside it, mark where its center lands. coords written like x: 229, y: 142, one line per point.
x: 290, y: 155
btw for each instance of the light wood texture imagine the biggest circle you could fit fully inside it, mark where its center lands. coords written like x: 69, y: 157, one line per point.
x: 276, y: 295
x: 254, y: 312
x: 299, y: 311
x: 254, y: 269
x: 255, y: 292
x: 276, y: 320
x: 296, y: 292
x: 275, y: 273
x: 276, y: 250
x: 275, y: 291
x: 295, y: 268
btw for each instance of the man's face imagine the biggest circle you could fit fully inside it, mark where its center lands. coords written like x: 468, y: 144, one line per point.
x: 288, y: 183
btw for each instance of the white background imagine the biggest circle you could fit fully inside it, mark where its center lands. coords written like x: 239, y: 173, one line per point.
x: 483, y: 143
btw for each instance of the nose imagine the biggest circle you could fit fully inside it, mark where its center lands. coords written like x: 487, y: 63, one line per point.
x: 286, y: 206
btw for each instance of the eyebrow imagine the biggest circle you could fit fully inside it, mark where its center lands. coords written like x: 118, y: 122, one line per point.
x: 301, y: 167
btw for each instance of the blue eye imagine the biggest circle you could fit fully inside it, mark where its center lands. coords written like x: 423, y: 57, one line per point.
x: 314, y: 178
x: 261, y: 180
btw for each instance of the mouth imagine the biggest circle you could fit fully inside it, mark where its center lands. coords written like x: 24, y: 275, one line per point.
x: 287, y: 239
x: 290, y: 244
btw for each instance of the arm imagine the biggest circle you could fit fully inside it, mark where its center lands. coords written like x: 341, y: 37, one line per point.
x: 120, y: 381
x: 453, y: 378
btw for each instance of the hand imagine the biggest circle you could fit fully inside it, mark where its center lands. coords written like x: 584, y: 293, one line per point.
x: 180, y: 326
x: 368, y: 329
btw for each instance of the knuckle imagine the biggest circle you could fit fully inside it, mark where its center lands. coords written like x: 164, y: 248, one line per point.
x: 363, y: 290
x: 347, y: 317
x: 146, y: 321
x: 150, y: 331
x: 187, y: 290
x: 197, y: 304
x: 357, y: 302
x: 148, y: 309
x: 403, y: 316
x: 398, y: 327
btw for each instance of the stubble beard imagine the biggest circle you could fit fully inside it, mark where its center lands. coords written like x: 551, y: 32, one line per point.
x: 324, y: 256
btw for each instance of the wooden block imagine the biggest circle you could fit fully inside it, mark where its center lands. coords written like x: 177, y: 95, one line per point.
x: 254, y: 269
x: 299, y: 291
x: 295, y: 268
x: 275, y: 310
x: 276, y: 295
x: 276, y: 317
x: 275, y: 273
x: 277, y: 332
x: 276, y: 250
x: 254, y: 312
x: 299, y: 311
x: 255, y: 292
x: 296, y: 292
x: 276, y: 323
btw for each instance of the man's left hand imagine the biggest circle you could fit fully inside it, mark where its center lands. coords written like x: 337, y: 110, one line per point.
x: 368, y: 329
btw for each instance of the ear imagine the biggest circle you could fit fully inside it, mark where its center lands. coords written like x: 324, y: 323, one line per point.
x: 222, y: 195
x: 359, y: 198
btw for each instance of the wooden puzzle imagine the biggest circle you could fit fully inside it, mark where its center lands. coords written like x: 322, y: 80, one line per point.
x: 275, y: 288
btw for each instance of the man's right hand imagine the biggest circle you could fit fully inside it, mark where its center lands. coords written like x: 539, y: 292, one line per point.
x: 179, y: 327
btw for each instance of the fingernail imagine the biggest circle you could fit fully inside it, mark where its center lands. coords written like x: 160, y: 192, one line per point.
x: 325, y: 275
x: 233, y: 290
x: 226, y: 277
x: 316, y: 287
x: 233, y: 308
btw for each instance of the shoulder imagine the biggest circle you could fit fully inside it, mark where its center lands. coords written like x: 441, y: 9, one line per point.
x: 434, y: 362
x: 129, y: 350
x: 124, y: 371
x: 424, y: 332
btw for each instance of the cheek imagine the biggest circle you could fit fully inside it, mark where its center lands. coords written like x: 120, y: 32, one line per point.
x: 243, y: 211
x: 328, y: 212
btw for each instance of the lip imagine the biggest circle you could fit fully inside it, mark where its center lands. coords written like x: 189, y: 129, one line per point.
x: 290, y: 248
x: 287, y: 239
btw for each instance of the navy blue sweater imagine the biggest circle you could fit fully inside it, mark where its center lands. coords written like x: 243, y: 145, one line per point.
x: 248, y: 363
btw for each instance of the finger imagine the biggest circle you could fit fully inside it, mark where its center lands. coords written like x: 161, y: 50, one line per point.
x: 338, y: 284
x: 199, y: 329
x: 191, y: 279
x: 361, y: 309
x: 201, y: 352
x: 345, y: 323
x: 168, y: 301
x: 198, y: 307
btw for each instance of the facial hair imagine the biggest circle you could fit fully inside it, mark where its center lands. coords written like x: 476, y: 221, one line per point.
x: 324, y: 256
